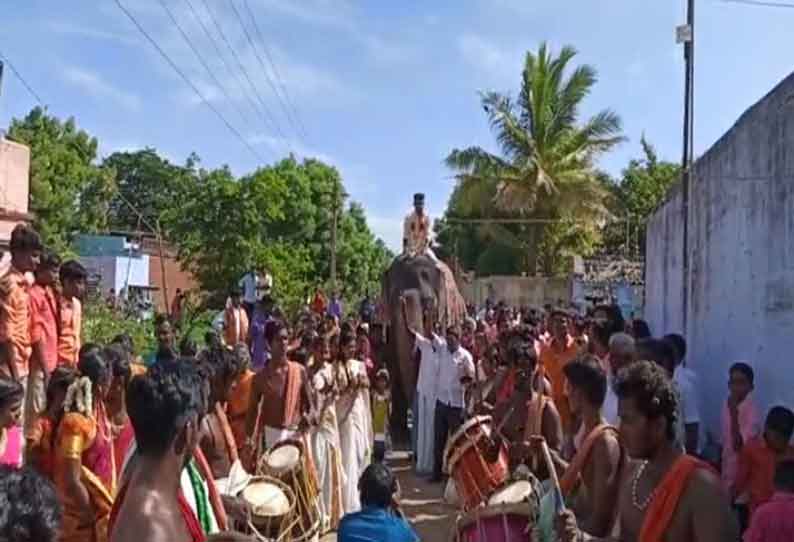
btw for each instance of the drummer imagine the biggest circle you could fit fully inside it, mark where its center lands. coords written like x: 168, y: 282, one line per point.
x: 281, y: 397
x: 590, y: 481
x: 526, y: 412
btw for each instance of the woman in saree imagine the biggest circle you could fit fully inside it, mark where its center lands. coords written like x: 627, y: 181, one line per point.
x: 355, y: 420
x: 84, y: 470
x: 11, y: 397
x: 119, y: 362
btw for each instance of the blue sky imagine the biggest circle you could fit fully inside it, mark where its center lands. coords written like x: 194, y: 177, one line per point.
x: 384, y: 89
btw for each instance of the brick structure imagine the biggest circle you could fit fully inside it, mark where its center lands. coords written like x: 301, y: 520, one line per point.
x: 175, y: 276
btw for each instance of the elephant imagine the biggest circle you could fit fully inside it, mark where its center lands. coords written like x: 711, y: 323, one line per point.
x: 428, y: 287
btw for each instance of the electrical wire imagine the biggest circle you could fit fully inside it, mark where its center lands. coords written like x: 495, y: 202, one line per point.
x: 21, y: 79
x: 269, y: 80
x: 275, y: 71
x: 204, y: 62
x: 760, y: 3
x: 187, y: 80
x: 225, y: 39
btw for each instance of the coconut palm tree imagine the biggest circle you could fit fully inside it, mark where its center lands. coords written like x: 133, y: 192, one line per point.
x: 546, y: 167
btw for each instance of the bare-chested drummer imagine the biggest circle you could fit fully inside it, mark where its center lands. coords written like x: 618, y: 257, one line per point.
x: 281, y: 398
x: 527, y: 413
x: 590, y: 482
x: 666, y: 496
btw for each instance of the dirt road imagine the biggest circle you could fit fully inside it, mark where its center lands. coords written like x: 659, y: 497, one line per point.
x: 422, y: 503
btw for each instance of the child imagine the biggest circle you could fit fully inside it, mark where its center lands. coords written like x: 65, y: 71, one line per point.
x: 11, y: 395
x: 774, y: 520
x: 741, y: 422
x: 40, y: 443
x: 759, y: 457
x: 381, y: 410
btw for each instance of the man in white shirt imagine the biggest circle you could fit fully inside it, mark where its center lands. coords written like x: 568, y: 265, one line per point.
x: 686, y: 381
x: 455, y: 372
x: 621, y: 354
x: 429, y: 346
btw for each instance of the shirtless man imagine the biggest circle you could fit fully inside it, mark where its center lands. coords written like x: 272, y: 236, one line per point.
x: 591, y: 480
x: 222, y: 367
x: 281, y: 397
x: 667, y: 495
x: 527, y: 413
x: 165, y: 406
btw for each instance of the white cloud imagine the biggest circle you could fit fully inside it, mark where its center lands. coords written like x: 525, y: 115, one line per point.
x: 70, y: 29
x: 95, y: 85
x: 389, y: 229
x: 500, y: 65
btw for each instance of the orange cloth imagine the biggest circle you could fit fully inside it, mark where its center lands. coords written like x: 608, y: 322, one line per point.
x: 553, y: 357
x: 293, y: 394
x: 570, y: 479
x: 71, y: 327
x: 77, y: 437
x: 41, y: 446
x: 669, y: 491
x: 44, y: 323
x: 235, y: 325
x: 756, y: 474
x: 237, y: 406
x: 15, y: 318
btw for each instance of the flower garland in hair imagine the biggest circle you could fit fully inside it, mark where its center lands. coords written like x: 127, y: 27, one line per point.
x: 79, y: 398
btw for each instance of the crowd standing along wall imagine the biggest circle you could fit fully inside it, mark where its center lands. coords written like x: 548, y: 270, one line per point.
x: 741, y: 254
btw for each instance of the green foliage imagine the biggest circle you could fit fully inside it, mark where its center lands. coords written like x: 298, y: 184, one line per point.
x: 546, y: 169
x: 68, y: 192
x: 147, y: 186
x: 278, y: 218
x: 101, y: 324
x: 642, y: 188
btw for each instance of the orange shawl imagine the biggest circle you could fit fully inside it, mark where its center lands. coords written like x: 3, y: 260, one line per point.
x: 237, y: 406
x: 668, y: 493
x: 570, y: 479
x: 292, y: 394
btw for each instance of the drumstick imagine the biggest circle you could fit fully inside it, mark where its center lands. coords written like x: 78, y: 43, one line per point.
x: 559, y: 501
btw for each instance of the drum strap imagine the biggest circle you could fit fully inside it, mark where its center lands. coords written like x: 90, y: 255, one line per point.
x: 571, y: 478
x: 226, y: 430
x: 535, y: 415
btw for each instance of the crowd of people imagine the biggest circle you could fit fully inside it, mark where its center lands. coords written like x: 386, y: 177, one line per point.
x: 98, y: 444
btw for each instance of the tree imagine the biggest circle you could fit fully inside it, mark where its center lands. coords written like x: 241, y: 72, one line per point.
x: 147, y: 185
x: 642, y: 188
x: 69, y: 194
x: 546, y: 169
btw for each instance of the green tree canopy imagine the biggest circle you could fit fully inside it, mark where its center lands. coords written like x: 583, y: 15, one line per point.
x: 69, y: 194
x: 546, y: 166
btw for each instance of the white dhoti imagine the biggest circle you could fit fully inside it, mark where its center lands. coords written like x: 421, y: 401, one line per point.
x: 330, y: 476
x: 425, y: 438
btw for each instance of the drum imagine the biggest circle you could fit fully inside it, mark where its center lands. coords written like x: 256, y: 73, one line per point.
x: 272, y: 506
x: 289, y: 462
x: 512, y: 515
x: 476, y: 474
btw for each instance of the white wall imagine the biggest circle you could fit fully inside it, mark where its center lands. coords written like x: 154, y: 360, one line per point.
x: 741, y: 241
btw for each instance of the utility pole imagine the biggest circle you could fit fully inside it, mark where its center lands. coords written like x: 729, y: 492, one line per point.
x: 686, y: 34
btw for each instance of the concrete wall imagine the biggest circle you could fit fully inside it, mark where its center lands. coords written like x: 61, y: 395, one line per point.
x: 741, y: 244
x: 14, y: 186
x: 517, y: 291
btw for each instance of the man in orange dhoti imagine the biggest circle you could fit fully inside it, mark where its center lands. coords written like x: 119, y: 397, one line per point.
x: 668, y: 496
x: 220, y: 449
x: 554, y: 356
x: 84, y: 469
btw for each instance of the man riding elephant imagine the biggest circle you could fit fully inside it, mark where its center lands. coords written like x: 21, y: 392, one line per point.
x: 426, y: 284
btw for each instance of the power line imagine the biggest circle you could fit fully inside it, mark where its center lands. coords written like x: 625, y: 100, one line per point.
x: 21, y: 79
x: 270, y: 116
x: 759, y: 3
x: 246, y: 92
x: 203, y: 62
x: 275, y: 71
x: 187, y: 80
x: 270, y: 83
